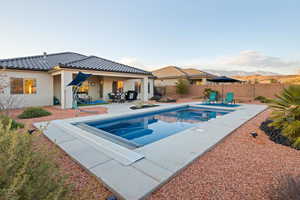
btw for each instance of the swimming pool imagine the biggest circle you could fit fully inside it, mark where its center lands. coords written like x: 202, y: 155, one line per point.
x: 219, y: 104
x: 142, y: 129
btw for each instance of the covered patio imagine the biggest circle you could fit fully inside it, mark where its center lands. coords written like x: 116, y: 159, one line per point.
x: 99, y: 85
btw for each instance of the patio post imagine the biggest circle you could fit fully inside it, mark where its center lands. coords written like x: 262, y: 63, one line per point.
x: 145, y: 82
x: 66, y: 92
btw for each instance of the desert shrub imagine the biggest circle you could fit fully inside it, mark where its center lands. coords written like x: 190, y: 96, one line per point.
x: 274, y: 134
x: 139, y: 104
x: 286, y: 113
x: 155, y: 98
x: 288, y: 189
x: 262, y: 99
x: 182, y: 86
x: 272, y: 80
x: 27, y: 171
x: 33, y: 112
x: 11, y: 123
x: 166, y: 99
x: 207, y: 91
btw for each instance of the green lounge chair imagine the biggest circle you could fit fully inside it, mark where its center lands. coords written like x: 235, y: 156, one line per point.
x: 229, y: 98
x: 212, y: 97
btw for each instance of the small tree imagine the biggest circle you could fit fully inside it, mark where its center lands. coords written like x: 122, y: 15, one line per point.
x: 272, y: 80
x: 182, y: 86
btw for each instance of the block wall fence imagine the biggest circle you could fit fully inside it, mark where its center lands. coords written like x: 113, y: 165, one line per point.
x: 242, y: 92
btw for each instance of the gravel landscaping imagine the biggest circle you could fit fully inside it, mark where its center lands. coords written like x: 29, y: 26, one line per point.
x: 86, y: 186
x: 241, y: 167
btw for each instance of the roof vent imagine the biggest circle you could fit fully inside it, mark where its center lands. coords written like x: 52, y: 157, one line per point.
x: 45, y: 55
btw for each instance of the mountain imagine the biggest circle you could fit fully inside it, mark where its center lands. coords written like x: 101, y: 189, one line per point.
x: 289, y: 79
x: 239, y: 73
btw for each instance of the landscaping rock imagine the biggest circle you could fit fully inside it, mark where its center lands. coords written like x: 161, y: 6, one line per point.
x: 274, y: 134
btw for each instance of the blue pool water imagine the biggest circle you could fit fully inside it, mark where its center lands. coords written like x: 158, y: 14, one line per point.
x: 219, y: 104
x: 143, y: 129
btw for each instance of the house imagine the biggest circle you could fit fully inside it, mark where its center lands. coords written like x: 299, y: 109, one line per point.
x: 38, y: 79
x: 168, y: 76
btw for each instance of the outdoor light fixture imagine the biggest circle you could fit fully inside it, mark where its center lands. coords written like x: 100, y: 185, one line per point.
x: 254, y: 134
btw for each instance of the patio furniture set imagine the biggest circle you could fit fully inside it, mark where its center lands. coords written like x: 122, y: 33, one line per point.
x: 213, y: 98
x: 122, y: 97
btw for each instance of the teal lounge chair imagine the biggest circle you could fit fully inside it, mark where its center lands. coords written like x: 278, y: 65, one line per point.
x: 229, y: 98
x: 212, y: 97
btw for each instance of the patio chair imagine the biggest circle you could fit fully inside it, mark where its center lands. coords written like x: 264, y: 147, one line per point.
x: 121, y: 97
x: 212, y: 97
x: 229, y: 98
x: 131, y: 95
x: 83, y: 98
x: 113, y: 97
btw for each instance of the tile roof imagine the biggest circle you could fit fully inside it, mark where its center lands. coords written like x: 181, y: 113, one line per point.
x: 68, y: 60
x: 176, y: 72
x: 96, y: 63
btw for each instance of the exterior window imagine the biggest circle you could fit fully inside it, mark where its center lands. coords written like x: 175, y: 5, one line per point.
x: 198, y: 82
x: 117, y: 86
x: 29, y: 86
x: 22, y: 86
x: 16, y: 85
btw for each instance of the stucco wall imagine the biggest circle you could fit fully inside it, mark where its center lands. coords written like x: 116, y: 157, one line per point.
x: 165, y: 82
x: 44, y: 84
x: 49, y: 86
x: 131, y: 83
x: 94, y: 87
x: 242, y: 92
x: 172, y: 82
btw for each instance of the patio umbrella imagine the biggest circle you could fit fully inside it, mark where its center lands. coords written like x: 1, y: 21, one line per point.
x: 79, y: 79
x: 224, y: 79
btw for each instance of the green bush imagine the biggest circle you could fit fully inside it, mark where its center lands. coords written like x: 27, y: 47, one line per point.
x: 182, y: 86
x: 262, y: 99
x: 27, y: 170
x: 33, y: 112
x: 286, y: 114
x: 8, y: 122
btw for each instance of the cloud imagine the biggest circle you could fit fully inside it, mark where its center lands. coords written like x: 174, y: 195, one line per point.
x: 249, y: 61
x: 131, y: 61
x: 135, y: 62
x: 255, y: 59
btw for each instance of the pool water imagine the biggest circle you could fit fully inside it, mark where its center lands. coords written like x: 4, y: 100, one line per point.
x: 147, y: 128
x: 219, y: 104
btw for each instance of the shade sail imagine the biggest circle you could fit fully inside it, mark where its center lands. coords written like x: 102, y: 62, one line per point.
x: 79, y: 79
x: 224, y: 79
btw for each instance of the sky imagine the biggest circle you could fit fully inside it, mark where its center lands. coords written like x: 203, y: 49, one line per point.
x: 216, y: 34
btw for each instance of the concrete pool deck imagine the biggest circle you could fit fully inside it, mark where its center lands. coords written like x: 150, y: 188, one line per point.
x: 151, y: 165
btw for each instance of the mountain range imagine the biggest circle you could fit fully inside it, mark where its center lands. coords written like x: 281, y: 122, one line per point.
x: 239, y: 73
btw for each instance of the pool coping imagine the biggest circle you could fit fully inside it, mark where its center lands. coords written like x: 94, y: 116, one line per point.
x: 146, y: 168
